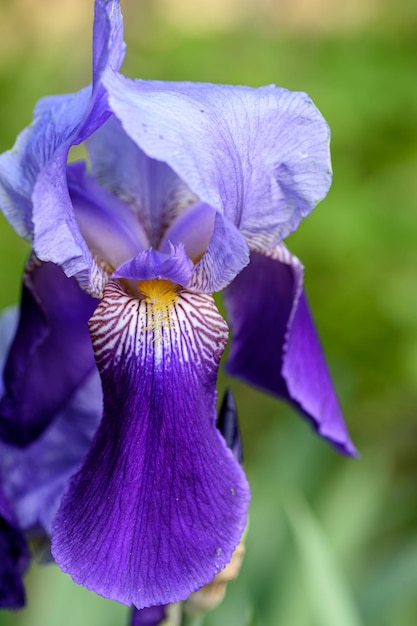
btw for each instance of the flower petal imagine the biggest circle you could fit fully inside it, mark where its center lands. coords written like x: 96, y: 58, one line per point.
x: 227, y: 254
x: 160, y: 503
x: 193, y: 228
x: 275, y: 345
x: 149, y: 187
x: 108, y: 45
x: 33, y: 185
x: 35, y: 476
x: 50, y: 355
x: 109, y: 227
x: 14, y: 558
x: 260, y: 156
x: 149, y: 264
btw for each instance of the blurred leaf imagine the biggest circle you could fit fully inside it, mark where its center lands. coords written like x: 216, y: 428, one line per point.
x: 328, y: 592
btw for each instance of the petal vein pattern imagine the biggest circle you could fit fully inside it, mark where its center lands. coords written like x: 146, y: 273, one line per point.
x: 160, y: 503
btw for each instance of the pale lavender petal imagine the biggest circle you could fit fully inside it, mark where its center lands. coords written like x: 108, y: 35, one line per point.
x: 160, y: 502
x: 33, y: 186
x: 193, y: 228
x: 227, y: 254
x: 108, y: 45
x: 14, y: 558
x: 50, y: 354
x: 149, y: 187
x: 260, y: 156
x: 176, y: 266
x: 275, y: 345
x: 55, y: 120
x: 112, y: 232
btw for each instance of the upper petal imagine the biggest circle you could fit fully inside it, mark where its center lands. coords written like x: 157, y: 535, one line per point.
x: 160, y: 502
x: 33, y: 186
x: 108, y: 45
x: 261, y: 155
x: 112, y: 232
x: 151, y: 189
x: 275, y: 344
x: 50, y: 354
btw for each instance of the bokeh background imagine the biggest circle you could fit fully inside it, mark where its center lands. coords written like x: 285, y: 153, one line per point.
x: 332, y: 541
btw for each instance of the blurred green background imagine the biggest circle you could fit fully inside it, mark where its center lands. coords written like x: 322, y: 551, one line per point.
x: 332, y: 541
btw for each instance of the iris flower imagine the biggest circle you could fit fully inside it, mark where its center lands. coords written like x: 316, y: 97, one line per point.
x: 190, y: 189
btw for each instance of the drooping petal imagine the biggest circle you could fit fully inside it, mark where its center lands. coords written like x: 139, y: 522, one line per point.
x: 33, y: 185
x: 275, y: 344
x: 14, y: 558
x: 260, y: 156
x: 50, y: 354
x: 149, y: 187
x: 160, y: 503
x: 35, y: 476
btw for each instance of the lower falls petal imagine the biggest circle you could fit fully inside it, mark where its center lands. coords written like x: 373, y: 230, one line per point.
x: 50, y: 355
x: 275, y: 345
x: 160, y: 503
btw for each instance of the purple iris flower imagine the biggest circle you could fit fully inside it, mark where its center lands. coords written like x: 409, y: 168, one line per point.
x: 190, y: 189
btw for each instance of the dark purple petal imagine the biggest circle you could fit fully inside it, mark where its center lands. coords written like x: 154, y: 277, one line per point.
x: 160, y: 503
x: 176, y: 266
x: 14, y: 558
x: 35, y: 476
x: 151, y: 189
x: 228, y: 425
x: 275, y: 344
x: 151, y: 616
x: 50, y: 355
x: 260, y: 156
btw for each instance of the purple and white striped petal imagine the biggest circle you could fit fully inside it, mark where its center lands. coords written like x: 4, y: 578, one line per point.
x: 259, y: 156
x: 275, y: 344
x: 160, y: 503
x: 50, y: 355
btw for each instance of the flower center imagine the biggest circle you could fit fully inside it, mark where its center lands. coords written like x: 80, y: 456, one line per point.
x: 160, y: 297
